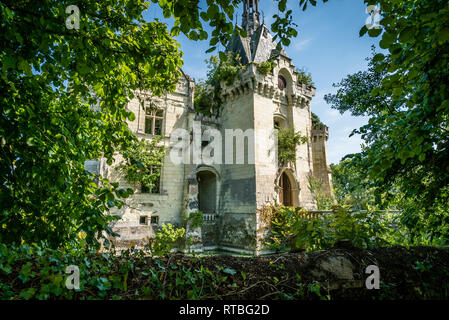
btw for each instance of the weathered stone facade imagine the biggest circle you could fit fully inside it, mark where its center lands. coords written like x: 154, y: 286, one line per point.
x: 230, y: 195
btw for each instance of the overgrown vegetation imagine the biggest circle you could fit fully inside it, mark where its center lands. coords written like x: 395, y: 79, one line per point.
x: 295, y: 228
x: 316, y: 122
x: 142, y: 162
x: 322, y: 197
x: 266, y: 67
x: 288, y: 140
x: 33, y: 272
x: 305, y: 77
x: 223, y: 68
x: 165, y: 240
x: 194, y: 219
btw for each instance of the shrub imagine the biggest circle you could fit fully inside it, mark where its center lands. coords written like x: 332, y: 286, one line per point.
x: 294, y: 228
x: 305, y: 77
x: 265, y: 67
x: 165, y: 240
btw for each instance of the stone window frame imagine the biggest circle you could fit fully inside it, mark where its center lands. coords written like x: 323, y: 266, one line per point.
x: 151, y: 116
x: 154, y: 220
x: 144, y: 222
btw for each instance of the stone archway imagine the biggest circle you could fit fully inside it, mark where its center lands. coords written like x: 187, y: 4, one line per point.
x: 288, y: 188
x: 207, y: 191
x: 285, y: 191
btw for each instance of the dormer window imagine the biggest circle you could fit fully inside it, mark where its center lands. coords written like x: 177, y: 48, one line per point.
x: 282, y: 83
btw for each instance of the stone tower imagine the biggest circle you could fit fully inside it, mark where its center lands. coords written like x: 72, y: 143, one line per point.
x: 260, y: 102
x: 321, y: 169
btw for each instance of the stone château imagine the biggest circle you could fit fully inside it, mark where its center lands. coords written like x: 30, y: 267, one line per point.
x: 229, y: 195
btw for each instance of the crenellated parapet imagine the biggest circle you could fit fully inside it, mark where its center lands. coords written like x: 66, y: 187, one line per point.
x: 320, y: 131
x: 251, y: 81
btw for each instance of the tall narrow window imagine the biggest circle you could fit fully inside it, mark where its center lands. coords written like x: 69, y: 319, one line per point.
x: 153, y: 121
x: 156, y: 173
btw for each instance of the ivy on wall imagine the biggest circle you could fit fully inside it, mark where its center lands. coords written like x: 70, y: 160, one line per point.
x: 288, y: 140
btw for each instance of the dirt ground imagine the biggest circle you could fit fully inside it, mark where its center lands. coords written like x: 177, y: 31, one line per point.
x: 339, y: 273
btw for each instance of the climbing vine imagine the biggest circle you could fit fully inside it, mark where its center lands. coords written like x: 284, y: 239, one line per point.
x: 194, y: 219
x: 288, y: 140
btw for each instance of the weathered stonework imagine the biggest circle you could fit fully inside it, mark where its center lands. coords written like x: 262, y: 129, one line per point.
x: 230, y: 193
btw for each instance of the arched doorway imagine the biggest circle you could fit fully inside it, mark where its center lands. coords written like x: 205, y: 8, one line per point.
x: 285, y: 192
x: 207, y: 191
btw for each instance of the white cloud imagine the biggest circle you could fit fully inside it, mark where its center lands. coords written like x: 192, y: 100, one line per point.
x: 301, y: 45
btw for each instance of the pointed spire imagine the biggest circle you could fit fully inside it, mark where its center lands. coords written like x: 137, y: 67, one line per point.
x: 251, y: 15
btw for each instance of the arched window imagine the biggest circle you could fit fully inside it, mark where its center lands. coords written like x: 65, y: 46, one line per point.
x: 282, y: 83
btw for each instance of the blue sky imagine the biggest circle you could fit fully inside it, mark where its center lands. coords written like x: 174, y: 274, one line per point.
x: 328, y: 46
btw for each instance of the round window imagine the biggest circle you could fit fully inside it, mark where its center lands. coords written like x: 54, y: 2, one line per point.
x: 282, y: 83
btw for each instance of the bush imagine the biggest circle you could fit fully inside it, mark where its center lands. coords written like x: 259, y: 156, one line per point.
x: 295, y: 228
x: 265, y: 67
x: 165, y: 239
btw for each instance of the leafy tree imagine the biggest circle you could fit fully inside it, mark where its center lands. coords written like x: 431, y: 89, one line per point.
x: 351, y: 186
x: 408, y: 104
x: 64, y: 101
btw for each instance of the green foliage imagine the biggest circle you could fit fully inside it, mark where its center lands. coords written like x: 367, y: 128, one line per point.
x: 408, y: 104
x: 323, y: 199
x: 194, y: 219
x: 316, y: 122
x: 288, y: 140
x: 265, y: 67
x: 224, y: 68
x: 351, y: 185
x: 295, y: 228
x: 305, y: 77
x: 165, y: 239
x: 142, y: 162
x: 64, y: 101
